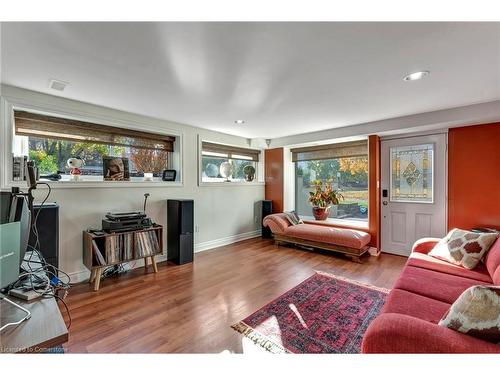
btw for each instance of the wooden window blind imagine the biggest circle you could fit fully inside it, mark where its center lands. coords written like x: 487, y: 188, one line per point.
x: 331, y: 151
x: 43, y: 126
x: 229, y: 151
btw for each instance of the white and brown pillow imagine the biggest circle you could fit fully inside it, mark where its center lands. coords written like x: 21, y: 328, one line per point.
x: 476, y: 313
x: 293, y: 218
x: 463, y: 248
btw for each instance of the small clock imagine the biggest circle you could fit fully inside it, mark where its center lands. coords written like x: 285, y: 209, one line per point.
x: 169, y: 175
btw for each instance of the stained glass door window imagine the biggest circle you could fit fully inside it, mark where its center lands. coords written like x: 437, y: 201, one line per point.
x: 412, y: 173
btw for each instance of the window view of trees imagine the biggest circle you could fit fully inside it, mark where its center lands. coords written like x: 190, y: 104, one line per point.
x: 350, y: 176
x: 50, y: 156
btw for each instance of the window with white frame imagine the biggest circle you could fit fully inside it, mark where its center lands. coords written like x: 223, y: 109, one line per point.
x: 49, y: 141
x: 344, y: 166
x: 222, y: 163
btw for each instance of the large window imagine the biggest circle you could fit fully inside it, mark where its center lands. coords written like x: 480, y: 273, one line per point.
x: 221, y: 163
x: 345, y: 166
x: 50, y: 141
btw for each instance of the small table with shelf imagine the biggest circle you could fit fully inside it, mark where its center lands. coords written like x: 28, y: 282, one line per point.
x: 109, y: 249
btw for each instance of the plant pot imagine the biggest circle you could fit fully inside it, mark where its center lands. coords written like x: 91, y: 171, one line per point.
x: 321, y: 213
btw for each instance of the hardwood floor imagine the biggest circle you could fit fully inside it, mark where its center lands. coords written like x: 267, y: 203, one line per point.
x: 190, y: 308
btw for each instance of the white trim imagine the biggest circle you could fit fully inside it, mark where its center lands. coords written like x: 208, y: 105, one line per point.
x: 98, y: 184
x: 258, y: 173
x: 207, y: 245
x: 9, y: 103
x: 84, y: 274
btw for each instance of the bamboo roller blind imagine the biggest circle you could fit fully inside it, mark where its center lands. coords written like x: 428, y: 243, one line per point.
x: 43, y: 126
x: 331, y: 151
x: 230, y: 151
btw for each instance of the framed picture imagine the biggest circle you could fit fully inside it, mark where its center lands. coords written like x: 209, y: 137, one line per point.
x: 115, y: 168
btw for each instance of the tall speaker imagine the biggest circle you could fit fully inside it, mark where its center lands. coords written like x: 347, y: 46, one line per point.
x: 180, y: 228
x: 47, y: 225
x: 267, y: 209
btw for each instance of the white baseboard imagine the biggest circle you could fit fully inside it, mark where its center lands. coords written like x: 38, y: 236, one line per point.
x: 207, y: 245
x: 84, y: 274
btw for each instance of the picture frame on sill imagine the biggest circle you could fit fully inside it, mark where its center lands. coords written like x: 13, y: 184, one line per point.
x: 115, y: 168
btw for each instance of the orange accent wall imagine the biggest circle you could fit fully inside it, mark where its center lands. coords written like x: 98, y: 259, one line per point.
x: 474, y: 176
x: 274, y: 167
x: 374, y: 190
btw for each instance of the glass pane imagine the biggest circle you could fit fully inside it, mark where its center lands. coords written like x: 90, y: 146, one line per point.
x: 350, y: 177
x: 412, y: 173
x: 210, y: 169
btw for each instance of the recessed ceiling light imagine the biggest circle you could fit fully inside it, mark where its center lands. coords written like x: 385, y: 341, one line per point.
x: 417, y: 75
x: 239, y: 122
x: 58, y: 85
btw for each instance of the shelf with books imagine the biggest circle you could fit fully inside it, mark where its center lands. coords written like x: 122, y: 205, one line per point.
x: 109, y: 249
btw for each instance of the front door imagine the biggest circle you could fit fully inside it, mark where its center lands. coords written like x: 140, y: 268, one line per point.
x: 413, y: 188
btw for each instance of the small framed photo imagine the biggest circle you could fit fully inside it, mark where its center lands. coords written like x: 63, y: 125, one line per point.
x: 115, y: 168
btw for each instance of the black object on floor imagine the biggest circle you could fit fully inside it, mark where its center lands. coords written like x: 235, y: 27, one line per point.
x: 267, y: 209
x: 180, y: 230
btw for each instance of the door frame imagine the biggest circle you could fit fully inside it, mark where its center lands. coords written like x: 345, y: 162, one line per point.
x: 414, y: 135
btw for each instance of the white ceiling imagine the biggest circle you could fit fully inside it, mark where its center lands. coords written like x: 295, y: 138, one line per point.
x: 281, y: 78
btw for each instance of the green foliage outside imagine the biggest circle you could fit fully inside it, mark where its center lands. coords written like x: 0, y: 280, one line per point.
x: 51, y: 156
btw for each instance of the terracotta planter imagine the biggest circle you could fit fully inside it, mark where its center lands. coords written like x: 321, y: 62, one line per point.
x: 321, y: 213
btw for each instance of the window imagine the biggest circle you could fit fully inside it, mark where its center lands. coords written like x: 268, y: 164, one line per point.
x: 346, y: 165
x: 50, y: 141
x: 221, y: 163
x: 411, y: 173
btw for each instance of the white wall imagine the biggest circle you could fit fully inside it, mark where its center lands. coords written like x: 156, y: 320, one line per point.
x: 223, y: 213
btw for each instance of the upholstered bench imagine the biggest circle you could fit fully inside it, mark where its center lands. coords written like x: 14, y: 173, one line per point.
x: 352, y: 243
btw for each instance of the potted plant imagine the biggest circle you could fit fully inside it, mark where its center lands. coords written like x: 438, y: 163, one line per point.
x: 323, y: 198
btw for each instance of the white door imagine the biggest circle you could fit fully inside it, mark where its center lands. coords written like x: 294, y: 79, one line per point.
x: 413, y: 188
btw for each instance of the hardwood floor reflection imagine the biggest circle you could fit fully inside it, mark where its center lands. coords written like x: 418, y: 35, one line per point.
x: 190, y: 308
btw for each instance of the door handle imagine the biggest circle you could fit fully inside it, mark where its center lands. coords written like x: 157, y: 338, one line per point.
x: 384, y: 203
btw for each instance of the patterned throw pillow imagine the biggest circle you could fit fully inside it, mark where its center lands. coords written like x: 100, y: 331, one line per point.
x: 293, y: 218
x: 476, y: 313
x: 463, y: 248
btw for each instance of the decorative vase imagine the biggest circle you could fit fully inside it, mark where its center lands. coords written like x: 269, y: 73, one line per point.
x: 321, y: 213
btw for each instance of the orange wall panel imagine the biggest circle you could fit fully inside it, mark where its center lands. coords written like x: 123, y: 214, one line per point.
x: 274, y: 166
x: 474, y: 176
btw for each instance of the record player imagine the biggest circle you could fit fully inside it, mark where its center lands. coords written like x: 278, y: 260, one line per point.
x: 125, y: 221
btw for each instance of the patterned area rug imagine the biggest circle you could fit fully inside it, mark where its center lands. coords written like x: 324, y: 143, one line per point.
x: 323, y: 314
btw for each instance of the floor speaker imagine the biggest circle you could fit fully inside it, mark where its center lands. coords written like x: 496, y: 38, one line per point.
x: 47, y: 227
x: 180, y: 230
x: 267, y: 209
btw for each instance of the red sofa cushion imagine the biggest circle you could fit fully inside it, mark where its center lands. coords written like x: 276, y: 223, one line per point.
x: 403, y: 302
x: 321, y: 233
x: 492, y: 261
x: 426, y: 261
x: 436, y: 285
x: 398, y: 333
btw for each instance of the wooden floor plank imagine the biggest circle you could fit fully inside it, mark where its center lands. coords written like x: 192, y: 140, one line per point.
x: 190, y: 308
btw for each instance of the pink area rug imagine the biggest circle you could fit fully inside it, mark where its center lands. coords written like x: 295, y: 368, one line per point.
x: 323, y: 314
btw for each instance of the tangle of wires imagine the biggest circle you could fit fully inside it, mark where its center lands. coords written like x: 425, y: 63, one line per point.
x: 39, y: 276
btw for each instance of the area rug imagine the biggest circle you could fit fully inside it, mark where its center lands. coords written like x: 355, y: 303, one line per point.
x: 323, y: 314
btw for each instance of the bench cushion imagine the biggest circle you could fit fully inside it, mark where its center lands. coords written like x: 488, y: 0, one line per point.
x: 321, y: 233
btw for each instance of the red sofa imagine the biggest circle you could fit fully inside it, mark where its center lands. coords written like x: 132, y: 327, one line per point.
x: 421, y: 296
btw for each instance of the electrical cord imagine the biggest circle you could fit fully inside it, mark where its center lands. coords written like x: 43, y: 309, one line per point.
x: 38, y: 279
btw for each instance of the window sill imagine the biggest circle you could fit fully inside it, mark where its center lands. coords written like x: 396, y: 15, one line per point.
x: 99, y: 184
x: 218, y: 184
x: 341, y: 223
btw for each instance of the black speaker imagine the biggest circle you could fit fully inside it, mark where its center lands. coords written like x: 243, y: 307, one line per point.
x: 47, y: 225
x: 267, y: 209
x: 180, y: 228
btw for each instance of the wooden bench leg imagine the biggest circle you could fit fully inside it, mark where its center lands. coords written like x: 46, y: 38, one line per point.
x: 146, y: 264
x: 355, y: 258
